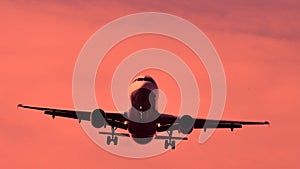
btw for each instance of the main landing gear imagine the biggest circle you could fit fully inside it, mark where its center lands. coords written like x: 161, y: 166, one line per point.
x: 169, y: 142
x: 112, y: 136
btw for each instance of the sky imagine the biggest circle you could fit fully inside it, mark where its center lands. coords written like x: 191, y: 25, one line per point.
x: 258, y: 43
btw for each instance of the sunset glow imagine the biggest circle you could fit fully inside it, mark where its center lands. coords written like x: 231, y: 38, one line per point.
x: 258, y: 44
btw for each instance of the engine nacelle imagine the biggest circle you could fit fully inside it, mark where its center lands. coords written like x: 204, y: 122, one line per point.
x: 186, y: 124
x: 98, y: 118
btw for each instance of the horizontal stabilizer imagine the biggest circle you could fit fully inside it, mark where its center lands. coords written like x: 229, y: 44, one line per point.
x: 116, y: 134
x: 174, y: 138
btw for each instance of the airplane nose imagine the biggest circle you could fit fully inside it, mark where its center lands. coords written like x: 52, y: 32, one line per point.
x: 142, y: 99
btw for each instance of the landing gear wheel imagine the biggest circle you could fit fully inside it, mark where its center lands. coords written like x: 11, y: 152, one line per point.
x: 166, y: 144
x: 115, y: 140
x: 173, y: 145
x: 108, y: 140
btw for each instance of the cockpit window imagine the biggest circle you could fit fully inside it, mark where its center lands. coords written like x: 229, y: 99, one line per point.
x: 145, y: 79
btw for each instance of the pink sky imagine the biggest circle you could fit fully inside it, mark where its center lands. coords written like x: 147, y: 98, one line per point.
x: 258, y: 43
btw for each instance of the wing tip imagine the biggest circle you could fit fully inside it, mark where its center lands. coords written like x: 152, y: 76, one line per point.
x: 19, y: 105
x: 267, y: 122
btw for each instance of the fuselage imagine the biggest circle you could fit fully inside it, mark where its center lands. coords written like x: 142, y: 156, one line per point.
x: 143, y: 94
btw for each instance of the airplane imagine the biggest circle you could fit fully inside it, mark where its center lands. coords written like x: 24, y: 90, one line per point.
x: 142, y: 120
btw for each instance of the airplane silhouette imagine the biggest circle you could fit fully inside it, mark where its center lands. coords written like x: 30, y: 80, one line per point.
x: 142, y: 120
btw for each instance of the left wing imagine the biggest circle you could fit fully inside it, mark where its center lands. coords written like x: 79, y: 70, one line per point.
x: 116, y: 119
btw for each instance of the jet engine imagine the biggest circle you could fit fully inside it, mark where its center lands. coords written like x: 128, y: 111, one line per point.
x: 98, y: 118
x: 186, y: 124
